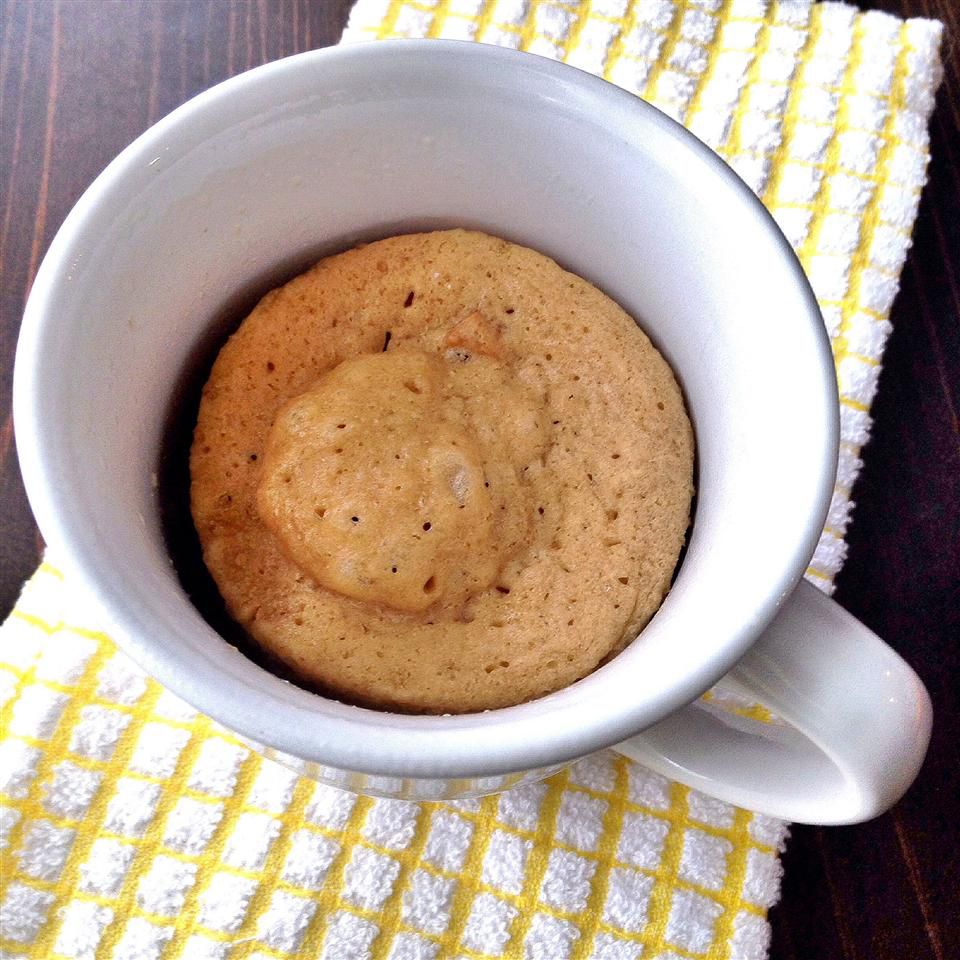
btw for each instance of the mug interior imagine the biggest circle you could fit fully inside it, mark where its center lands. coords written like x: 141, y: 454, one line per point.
x: 257, y: 178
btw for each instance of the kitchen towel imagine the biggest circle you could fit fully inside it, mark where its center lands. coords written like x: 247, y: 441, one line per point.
x: 132, y: 827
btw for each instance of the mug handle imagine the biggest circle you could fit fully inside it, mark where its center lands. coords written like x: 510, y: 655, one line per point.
x: 851, y: 727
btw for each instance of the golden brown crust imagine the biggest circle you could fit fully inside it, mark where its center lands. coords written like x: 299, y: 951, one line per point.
x: 618, y: 471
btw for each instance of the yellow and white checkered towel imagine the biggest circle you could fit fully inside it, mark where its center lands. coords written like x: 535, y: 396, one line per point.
x: 134, y: 828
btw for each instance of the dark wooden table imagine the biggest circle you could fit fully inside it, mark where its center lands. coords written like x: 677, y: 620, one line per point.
x: 80, y: 79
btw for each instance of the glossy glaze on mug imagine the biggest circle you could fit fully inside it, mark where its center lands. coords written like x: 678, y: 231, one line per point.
x: 222, y: 192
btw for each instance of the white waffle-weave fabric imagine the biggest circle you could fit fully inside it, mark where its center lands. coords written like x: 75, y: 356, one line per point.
x: 135, y: 828
x: 132, y: 827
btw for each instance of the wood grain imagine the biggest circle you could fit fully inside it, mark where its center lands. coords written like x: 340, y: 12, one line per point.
x: 80, y: 79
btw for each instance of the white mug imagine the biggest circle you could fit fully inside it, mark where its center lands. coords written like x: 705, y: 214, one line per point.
x: 251, y: 180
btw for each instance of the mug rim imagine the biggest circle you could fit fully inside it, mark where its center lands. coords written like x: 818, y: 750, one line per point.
x: 544, y: 741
